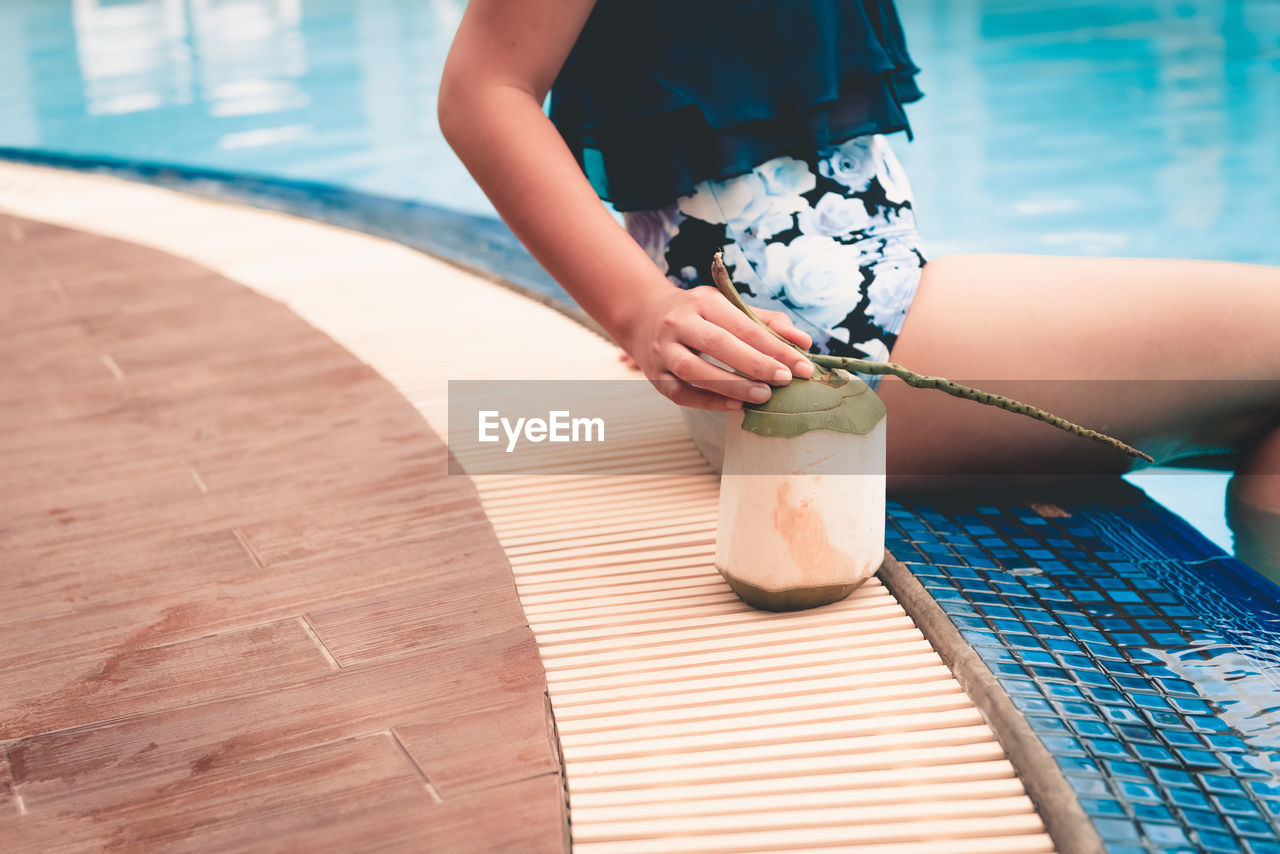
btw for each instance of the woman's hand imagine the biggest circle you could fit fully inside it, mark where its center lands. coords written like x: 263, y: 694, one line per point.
x: 671, y: 331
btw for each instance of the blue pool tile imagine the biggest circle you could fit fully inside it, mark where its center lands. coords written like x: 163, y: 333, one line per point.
x: 1119, y: 769
x: 1165, y: 721
x: 1076, y: 621
x: 1083, y: 711
x: 1020, y: 687
x: 1189, y: 799
x: 1077, y: 765
x: 1102, y: 807
x: 1153, y: 753
x: 1116, y: 830
x: 1218, y: 842
x: 1107, y: 748
x: 1204, y: 820
x: 1094, y: 787
x: 1265, y: 790
x: 1181, y: 738
x: 1093, y: 678
x: 1249, y: 826
x: 1047, y: 725
x: 1198, y: 758
x: 1133, y: 684
x: 1050, y: 674
x: 1227, y: 743
x: 1220, y: 785
x: 1036, y: 656
x: 1063, y: 692
x: 1064, y: 744
x: 1108, y: 696
x: 1121, y: 715
x: 1173, y: 777
x: 1164, y: 834
x: 1139, y: 791
x: 1206, y: 723
x: 1138, y: 735
x: 977, y: 637
x: 1243, y: 767
x: 992, y: 653
x: 1191, y: 707
x: 1234, y: 805
x: 1032, y: 705
x: 1090, y: 728
x: 1176, y: 686
x: 1076, y: 662
x: 1261, y: 846
x: 1152, y: 812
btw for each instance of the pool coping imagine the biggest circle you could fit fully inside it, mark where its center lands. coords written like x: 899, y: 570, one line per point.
x: 481, y: 245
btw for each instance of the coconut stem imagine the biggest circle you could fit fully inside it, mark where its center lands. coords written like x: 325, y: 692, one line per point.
x: 721, y: 277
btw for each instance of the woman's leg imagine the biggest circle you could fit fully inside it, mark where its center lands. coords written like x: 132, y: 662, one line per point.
x: 1177, y: 357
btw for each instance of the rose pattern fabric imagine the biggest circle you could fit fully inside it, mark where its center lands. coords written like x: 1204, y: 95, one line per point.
x: 830, y: 240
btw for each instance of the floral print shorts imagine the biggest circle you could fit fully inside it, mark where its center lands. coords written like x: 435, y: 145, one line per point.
x: 830, y: 241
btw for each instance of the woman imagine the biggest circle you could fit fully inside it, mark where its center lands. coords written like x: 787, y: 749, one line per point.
x: 708, y: 122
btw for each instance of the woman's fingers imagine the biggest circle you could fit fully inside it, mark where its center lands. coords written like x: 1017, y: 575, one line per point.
x: 743, y: 344
x: 682, y: 393
x: 694, y: 370
x: 780, y: 323
x: 748, y: 350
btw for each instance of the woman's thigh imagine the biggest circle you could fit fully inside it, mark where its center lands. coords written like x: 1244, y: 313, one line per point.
x: 1176, y: 357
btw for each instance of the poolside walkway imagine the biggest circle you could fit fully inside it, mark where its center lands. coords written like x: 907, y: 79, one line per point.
x: 244, y: 605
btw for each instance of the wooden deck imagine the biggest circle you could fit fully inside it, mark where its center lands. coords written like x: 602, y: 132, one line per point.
x: 244, y: 607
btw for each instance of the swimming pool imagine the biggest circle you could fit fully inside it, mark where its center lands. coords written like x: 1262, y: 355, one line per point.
x: 1131, y: 127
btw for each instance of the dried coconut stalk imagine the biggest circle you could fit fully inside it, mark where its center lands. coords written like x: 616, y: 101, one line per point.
x: 721, y: 277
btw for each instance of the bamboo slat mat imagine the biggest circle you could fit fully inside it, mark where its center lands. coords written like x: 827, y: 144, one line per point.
x: 689, y: 722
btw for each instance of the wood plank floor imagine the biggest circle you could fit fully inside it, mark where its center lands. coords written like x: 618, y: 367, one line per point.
x: 244, y: 606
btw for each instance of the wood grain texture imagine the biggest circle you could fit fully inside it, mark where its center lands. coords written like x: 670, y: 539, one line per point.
x: 246, y: 607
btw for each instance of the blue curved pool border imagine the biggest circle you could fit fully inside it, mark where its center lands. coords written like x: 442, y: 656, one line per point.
x: 1141, y: 656
x: 481, y: 244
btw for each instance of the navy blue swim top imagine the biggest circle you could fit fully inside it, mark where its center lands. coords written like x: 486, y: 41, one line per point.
x: 659, y: 95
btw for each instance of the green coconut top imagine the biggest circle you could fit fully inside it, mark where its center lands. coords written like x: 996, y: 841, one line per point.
x: 832, y: 400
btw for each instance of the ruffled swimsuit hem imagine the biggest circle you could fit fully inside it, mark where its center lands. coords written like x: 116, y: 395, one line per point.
x: 684, y: 146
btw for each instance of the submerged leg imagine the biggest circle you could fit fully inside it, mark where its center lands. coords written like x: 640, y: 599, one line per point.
x: 1179, y: 358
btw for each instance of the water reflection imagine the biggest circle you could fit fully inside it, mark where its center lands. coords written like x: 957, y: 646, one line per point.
x: 1244, y: 690
x: 133, y: 56
x: 1143, y: 127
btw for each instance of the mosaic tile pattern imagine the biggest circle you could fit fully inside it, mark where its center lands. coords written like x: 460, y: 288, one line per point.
x: 1143, y: 657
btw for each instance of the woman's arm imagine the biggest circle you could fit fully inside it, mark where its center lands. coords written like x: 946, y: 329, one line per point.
x: 503, y: 61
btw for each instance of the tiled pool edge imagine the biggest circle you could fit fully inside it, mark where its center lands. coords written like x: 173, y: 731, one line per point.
x: 1065, y: 820
x: 1142, y: 656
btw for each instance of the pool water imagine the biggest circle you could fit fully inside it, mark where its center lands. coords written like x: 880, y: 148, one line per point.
x: 1112, y: 127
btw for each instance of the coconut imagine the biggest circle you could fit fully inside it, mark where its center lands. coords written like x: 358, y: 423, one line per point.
x: 802, y: 494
